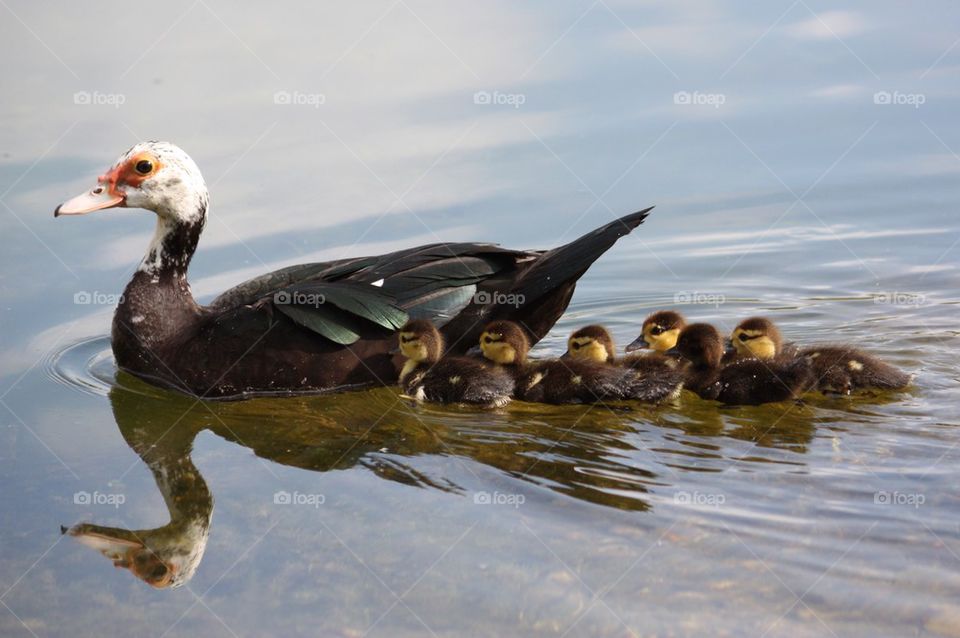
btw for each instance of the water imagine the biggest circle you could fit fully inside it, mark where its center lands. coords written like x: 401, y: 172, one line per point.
x: 786, y: 191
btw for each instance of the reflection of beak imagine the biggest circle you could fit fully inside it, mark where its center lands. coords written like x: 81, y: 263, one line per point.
x: 475, y: 351
x: 637, y: 344
x: 100, y: 197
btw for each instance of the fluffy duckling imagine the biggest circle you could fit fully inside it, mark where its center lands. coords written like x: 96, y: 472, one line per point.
x: 660, y: 376
x: 837, y: 368
x: 659, y: 332
x: 428, y: 376
x: 743, y: 382
x: 554, y: 381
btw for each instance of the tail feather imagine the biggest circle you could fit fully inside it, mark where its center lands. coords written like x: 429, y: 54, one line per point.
x: 568, y: 262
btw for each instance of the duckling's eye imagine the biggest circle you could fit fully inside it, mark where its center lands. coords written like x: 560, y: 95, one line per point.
x: 743, y: 336
x: 144, y: 167
x: 576, y: 346
x: 488, y: 339
x: 656, y: 330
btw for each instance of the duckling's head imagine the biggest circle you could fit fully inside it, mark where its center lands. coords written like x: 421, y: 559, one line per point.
x: 591, y: 343
x: 660, y: 331
x: 757, y: 337
x: 420, y: 341
x: 504, y: 343
x: 700, y: 344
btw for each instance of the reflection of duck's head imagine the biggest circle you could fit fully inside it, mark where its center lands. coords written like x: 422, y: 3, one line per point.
x: 165, y: 556
x: 157, y: 557
x: 757, y: 337
x: 659, y: 332
x: 505, y: 343
x: 591, y: 343
x: 701, y: 345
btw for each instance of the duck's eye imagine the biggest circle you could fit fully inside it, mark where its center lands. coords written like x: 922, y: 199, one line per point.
x: 743, y: 336
x: 656, y: 330
x: 576, y: 346
x: 144, y: 167
x: 488, y: 339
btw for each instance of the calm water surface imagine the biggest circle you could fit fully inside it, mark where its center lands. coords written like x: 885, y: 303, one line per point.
x: 812, y: 177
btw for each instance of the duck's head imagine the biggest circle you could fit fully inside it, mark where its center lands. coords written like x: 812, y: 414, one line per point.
x: 157, y: 176
x: 591, y: 343
x: 660, y: 331
x: 700, y: 344
x: 420, y: 341
x: 504, y: 343
x: 757, y: 337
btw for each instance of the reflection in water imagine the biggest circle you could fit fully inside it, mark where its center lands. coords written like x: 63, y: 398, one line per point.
x: 614, y: 456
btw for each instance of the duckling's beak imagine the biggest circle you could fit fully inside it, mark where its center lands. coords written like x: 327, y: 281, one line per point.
x: 566, y: 355
x: 394, y: 350
x: 475, y: 351
x: 674, y: 352
x: 729, y: 347
x: 637, y: 344
x: 99, y: 197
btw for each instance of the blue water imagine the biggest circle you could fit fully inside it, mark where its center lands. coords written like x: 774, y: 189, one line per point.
x: 803, y: 160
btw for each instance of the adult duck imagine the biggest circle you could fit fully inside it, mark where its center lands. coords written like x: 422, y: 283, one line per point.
x: 312, y: 327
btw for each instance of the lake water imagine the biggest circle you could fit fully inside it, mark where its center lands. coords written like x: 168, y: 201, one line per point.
x: 803, y: 160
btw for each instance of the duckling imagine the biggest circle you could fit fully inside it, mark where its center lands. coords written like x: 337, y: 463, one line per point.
x: 555, y: 380
x: 759, y: 338
x: 745, y: 381
x: 659, y: 332
x: 837, y: 368
x: 660, y: 376
x: 429, y: 376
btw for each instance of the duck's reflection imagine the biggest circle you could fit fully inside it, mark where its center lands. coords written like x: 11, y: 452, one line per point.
x: 594, y: 454
x: 165, y: 556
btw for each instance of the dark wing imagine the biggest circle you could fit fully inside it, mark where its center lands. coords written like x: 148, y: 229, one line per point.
x: 344, y: 299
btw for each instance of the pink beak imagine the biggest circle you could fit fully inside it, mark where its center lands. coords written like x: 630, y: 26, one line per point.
x: 98, y: 198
